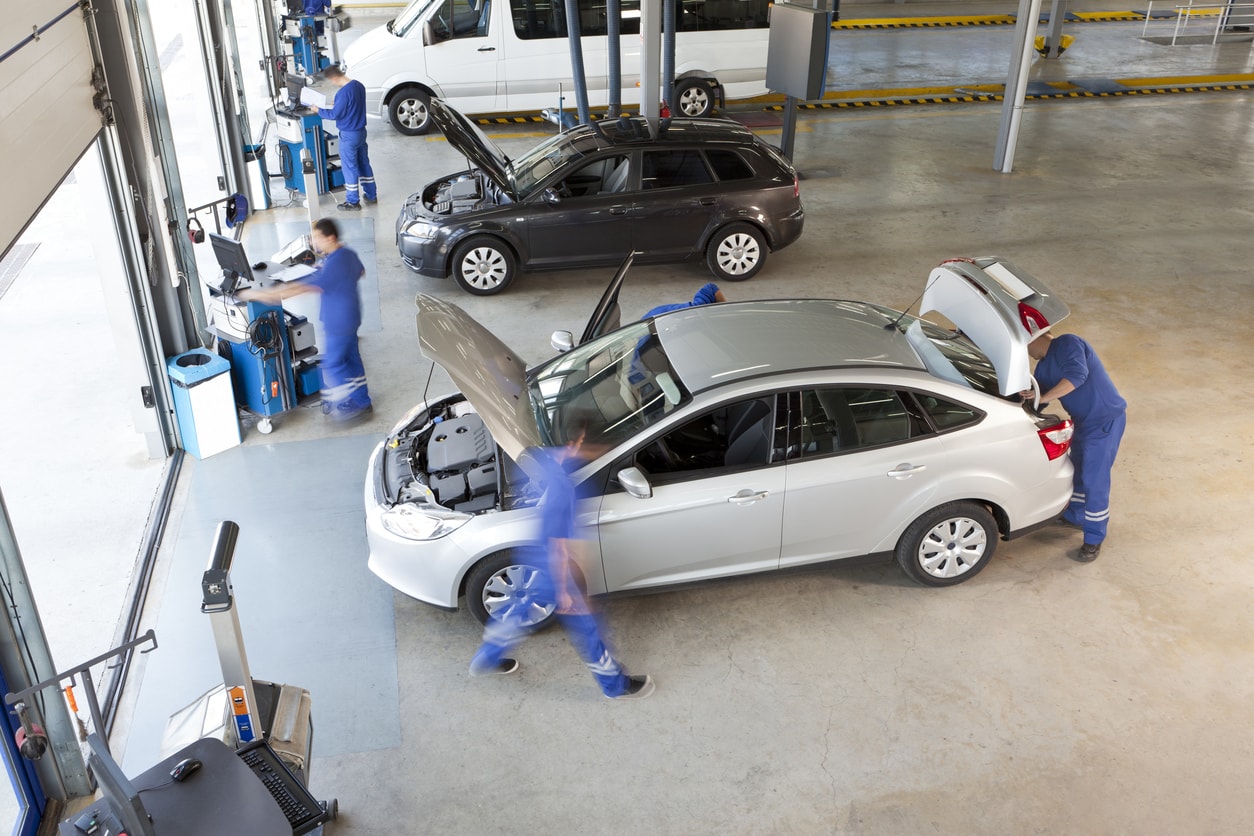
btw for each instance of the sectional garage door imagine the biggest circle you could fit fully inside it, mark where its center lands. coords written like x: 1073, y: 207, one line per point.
x: 46, y: 114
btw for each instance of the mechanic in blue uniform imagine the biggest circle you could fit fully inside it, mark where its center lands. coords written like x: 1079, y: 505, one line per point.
x: 1067, y: 368
x: 554, y: 557
x: 708, y: 293
x: 349, y: 112
x: 345, y: 396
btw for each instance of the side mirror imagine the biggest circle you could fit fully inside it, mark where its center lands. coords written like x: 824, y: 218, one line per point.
x: 634, y: 483
x: 562, y: 341
x: 551, y: 197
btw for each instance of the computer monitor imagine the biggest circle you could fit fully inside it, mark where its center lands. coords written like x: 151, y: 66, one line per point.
x: 118, y: 790
x: 232, y: 259
x: 295, y: 83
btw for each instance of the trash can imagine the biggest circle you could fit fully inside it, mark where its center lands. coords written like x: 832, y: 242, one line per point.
x: 204, y: 403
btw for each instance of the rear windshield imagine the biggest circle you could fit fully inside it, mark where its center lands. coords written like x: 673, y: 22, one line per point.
x: 951, y: 356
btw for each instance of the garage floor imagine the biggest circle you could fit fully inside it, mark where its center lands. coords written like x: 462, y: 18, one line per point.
x: 1042, y: 696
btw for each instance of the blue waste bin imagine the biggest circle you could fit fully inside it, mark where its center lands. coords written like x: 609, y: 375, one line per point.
x: 204, y: 404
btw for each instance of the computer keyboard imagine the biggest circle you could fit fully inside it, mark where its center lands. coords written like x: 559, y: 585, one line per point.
x: 303, y: 811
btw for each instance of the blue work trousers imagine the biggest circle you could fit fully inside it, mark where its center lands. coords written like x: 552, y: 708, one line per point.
x: 355, y: 161
x: 1093, y: 451
x: 502, y: 635
x: 343, y: 375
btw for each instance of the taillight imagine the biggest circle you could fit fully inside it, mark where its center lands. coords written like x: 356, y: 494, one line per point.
x: 1033, y: 320
x: 1056, y: 439
x: 796, y: 186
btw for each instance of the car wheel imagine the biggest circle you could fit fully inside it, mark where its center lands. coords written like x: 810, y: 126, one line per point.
x: 502, y: 586
x: 948, y: 545
x: 693, y: 97
x: 483, y: 265
x: 410, y: 111
x: 736, y: 252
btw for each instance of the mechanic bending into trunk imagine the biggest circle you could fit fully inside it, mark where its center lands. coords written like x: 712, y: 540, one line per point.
x: 1067, y: 368
x: 345, y: 396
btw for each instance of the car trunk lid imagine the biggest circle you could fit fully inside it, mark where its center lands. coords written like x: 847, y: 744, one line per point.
x: 1000, y: 307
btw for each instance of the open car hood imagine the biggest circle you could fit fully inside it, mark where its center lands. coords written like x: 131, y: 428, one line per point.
x: 466, y: 137
x: 1000, y: 307
x: 491, y: 375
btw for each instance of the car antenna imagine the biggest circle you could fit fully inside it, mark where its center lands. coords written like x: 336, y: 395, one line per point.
x: 892, y: 325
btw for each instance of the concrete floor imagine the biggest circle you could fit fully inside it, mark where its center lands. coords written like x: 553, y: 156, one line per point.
x: 1042, y: 696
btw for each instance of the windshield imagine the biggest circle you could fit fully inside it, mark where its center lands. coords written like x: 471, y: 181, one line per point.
x: 950, y: 356
x: 611, y: 387
x: 409, y: 17
x: 538, y: 163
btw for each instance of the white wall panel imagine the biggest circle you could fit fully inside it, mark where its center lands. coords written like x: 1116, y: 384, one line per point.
x: 46, y: 115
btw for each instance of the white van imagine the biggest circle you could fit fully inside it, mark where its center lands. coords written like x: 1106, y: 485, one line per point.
x: 488, y: 56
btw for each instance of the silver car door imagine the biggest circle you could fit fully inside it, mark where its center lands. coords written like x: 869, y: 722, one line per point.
x: 862, y: 465
x: 716, y: 508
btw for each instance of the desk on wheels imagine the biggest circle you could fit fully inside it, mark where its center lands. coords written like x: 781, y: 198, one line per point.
x: 223, y: 796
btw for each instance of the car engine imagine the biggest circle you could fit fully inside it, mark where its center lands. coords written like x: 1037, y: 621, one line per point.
x: 464, y: 192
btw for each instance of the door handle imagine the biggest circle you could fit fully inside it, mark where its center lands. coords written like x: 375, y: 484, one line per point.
x: 747, y: 497
x: 486, y: 49
x: 619, y: 210
x: 906, y: 470
x: 707, y: 201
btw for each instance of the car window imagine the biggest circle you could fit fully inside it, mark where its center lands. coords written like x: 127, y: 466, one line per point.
x: 460, y: 19
x: 612, y: 387
x: 946, y: 414
x: 665, y: 169
x: 733, y: 437
x: 557, y: 153
x: 838, y: 419
x: 607, y: 175
x: 728, y: 165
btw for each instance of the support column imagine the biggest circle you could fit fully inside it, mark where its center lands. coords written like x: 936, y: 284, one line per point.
x: 1016, y: 85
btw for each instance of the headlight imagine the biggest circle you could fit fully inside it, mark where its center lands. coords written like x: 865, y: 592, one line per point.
x: 415, y: 523
x: 420, y: 229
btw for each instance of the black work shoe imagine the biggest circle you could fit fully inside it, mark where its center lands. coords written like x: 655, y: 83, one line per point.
x: 349, y: 207
x: 503, y: 668
x: 1088, y: 552
x: 371, y: 199
x: 638, y: 688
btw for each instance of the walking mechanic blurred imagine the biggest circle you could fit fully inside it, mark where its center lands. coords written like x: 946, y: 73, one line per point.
x: 348, y: 110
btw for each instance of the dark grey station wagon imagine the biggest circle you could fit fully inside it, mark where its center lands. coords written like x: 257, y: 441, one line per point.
x: 703, y: 188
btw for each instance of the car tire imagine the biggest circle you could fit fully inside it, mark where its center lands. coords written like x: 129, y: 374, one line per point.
x: 736, y: 252
x: 693, y: 98
x: 483, y: 265
x: 500, y: 584
x: 409, y: 111
x: 949, y: 544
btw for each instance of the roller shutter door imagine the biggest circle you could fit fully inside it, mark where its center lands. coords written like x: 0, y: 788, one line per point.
x: 46, y: 116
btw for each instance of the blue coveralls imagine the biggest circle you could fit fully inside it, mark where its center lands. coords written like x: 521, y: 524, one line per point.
x: 1099, y: 414
x: 343, y: 375
x: 704, y: 296
x: 500, y: 635
x: 349, y: 113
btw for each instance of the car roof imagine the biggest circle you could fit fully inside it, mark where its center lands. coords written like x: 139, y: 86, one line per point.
x: 635, y: 131
x: 710, y: 345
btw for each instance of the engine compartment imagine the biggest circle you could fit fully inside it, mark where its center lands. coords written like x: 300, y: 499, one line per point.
x: 445, y: 456
x: 465, y: 192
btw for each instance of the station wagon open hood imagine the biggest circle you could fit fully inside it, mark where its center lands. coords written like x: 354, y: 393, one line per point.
x: 466, y: 137
x: 1000, y: 307
x: 490, y: 374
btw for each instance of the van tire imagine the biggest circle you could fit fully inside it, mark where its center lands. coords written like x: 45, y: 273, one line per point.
x: 409, y: 111
x: 693, y: 97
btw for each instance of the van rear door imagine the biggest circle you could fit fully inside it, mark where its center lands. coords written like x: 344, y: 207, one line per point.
x: 1000, y: 307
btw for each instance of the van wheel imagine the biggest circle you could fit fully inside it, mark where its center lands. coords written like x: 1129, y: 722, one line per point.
x: 693, y: 97
x: 410, y: 111
x: 736, y: 252
x: 483, y: 265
